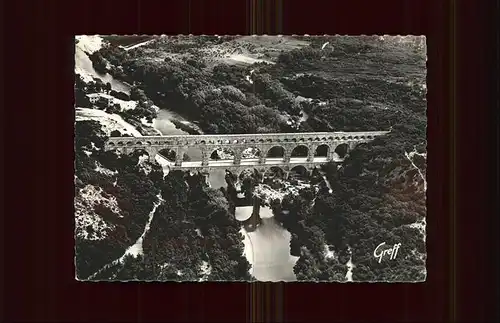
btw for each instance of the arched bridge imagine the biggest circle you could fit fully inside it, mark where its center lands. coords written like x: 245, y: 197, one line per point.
x: 239, y: 151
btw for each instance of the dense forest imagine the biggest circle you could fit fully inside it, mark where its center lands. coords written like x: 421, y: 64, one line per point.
x: 191, y: 225
x: 300, y: 84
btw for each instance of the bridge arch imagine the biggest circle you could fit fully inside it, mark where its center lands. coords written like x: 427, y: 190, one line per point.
x: 137, y: 152
x: 274, y: 172
x: 222, y: 153
x: 299, y: 171
x: 250, y: 172
x: 322, y: 150
x: 276, y: 152
x: 342, y: 150
x: 251, y: 152
x: 192, y: 154
x: 300, y: 151
x: 168, y: 154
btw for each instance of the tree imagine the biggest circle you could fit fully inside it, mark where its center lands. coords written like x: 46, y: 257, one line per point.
x: 137, y: 94
x: 82, y: 100
x: 88, y: 132
x: 115, y: 108
x: 136, y: 269
x: 307, y: 267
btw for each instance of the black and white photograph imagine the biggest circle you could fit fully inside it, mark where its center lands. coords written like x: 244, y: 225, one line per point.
x: 228, y: 158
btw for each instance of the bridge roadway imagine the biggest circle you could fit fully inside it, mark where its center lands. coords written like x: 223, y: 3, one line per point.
x: 238, y: 143
x: 248, y: 163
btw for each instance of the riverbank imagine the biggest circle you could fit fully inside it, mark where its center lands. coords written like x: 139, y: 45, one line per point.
x: 165, y: 123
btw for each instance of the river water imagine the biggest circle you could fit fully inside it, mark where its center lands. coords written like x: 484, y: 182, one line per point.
x: 267, y: 248
x: 84, y: 67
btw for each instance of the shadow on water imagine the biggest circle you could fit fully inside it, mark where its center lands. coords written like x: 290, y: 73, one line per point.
x: 267, y: 247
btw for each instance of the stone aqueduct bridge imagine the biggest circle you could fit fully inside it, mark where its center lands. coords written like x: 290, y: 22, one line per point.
x: 240, y: 142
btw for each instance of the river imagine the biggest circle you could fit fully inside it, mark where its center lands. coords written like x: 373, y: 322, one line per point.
x: 267, y: 248
x: 84, y: 67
